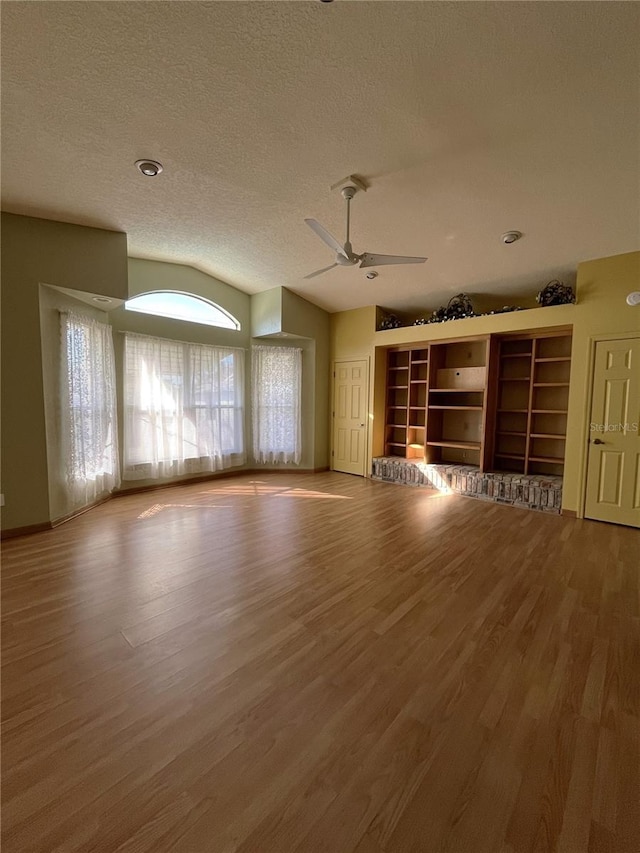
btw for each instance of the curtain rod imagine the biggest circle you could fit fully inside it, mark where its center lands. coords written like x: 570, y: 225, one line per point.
x: 174, y: 341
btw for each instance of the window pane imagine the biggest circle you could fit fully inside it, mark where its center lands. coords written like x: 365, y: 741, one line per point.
x: 184, y: 409
x: 182, y: 306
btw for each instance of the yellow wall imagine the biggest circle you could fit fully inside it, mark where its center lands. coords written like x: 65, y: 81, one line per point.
x: 602, y: 286
x: 34, y: 252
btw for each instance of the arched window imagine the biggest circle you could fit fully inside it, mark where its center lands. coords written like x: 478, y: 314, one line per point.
x: 182, y: 306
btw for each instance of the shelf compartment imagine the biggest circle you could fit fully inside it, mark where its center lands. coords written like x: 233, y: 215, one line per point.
x: 518, y: 456
x: 516, y: 348
x: 555, y: 346
x: 461, y: 378
x: 453, y: 398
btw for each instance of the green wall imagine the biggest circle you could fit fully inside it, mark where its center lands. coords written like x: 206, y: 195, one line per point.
x: 34, y: 252
x: 38, y: 257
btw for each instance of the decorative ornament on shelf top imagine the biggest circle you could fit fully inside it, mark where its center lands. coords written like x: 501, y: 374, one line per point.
x: 390, y: 321
x: 556, y: 293
x: 457, y: 308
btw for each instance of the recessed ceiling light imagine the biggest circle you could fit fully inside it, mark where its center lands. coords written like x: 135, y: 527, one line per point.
x: 634, y: 298
x: 370, y: 275
x: 101, y: 299
x: 511, y: 237
x: 149, y: 168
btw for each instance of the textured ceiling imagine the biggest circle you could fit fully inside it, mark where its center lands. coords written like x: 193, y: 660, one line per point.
x: 466, y: 120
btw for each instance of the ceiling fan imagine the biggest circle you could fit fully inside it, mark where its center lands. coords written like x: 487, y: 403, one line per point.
x: 345, y: 256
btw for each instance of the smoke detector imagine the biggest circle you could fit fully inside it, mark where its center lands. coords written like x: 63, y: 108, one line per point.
x: 371, y: 275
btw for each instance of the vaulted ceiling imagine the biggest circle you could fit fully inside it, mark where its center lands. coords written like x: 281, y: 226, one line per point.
x: 464, y: 119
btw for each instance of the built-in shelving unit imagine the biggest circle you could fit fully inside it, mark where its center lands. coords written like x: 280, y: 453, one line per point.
x: 407, y: 380
x: 498, y: 402
x: 397, y: 403
x: 456, y: 407
x: 532, y: 402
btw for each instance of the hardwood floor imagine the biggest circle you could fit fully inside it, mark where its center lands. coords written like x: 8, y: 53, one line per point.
x: 320, y: 664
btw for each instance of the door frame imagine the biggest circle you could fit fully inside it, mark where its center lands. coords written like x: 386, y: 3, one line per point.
x: 584, y: 451
x: 368, y: 427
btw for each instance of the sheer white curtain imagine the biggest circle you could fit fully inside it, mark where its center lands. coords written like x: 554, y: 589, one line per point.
x: 184, y: 408
x: 89, y: 431
x: 276, y: 404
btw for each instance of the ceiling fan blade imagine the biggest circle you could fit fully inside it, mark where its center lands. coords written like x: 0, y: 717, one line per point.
x: 369, y: 260
x: 319, y: 272
x: 324, y: 235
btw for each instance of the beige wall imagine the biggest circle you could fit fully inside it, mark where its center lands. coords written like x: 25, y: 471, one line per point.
x: 34, y: 252
x: 602, y: 286
x: 300, y: 317
x: 286, y: 319
x: 266, y: 313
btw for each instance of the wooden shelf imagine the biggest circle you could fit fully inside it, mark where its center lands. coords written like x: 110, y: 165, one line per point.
x: 548, y: 411
x: 418, y: 382
x: 457, y: 390
x: 554, y: 460
x: 461, y: 445
x: 516, y: 355
x: 514, y: 378
x: 551, y: 360
x: 556, y: 436
x: 518, y: 456
x: 457, y: 408
x: 550, y: 384
x: 513, y: 411
x: 420, y: 361
x: 511, y: 432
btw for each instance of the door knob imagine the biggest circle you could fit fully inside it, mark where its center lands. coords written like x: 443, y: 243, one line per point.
x: 361, y: 424
x: 598, y: 441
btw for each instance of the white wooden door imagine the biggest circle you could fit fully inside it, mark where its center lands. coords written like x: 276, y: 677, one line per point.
x: 613, y: 473
x: 350, y: 387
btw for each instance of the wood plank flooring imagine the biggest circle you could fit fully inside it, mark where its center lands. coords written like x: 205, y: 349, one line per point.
x: 320, y: 664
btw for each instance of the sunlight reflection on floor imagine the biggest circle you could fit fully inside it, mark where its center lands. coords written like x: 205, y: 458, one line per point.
x: 253, y: 489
